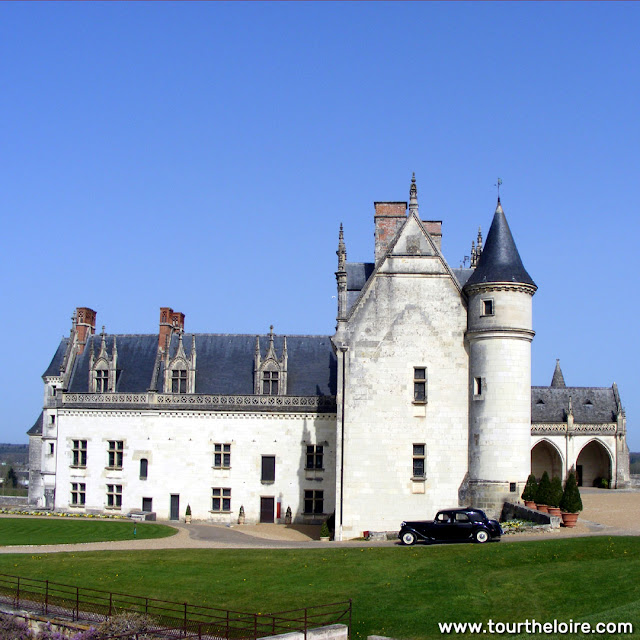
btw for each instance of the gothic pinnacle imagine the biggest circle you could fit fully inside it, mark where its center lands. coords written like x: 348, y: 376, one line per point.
x: 413, y: 196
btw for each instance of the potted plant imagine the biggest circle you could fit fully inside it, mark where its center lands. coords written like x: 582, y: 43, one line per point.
x: 529, y: 493
x: 187, y: 514
x: 325, y: 534
x: 241, y: 515
x: 287, y: 516
x: 571, y: 503
x: 555, y: 496
x: 543, y: 497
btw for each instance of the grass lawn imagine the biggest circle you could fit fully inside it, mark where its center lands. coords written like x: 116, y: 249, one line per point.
x: 402, y: 592
x: 67, y: 531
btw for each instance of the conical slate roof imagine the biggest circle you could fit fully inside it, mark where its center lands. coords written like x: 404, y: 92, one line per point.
x: 557, y: 381
x: 500, y: 260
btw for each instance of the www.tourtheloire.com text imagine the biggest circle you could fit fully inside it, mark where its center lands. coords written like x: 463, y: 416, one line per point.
x: 533, y: 626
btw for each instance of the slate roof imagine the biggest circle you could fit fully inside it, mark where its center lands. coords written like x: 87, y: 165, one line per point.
x: 558, y: 379
x: 500, y: 260
x: 462, y: 275
x: 357, y: 275
x: 54, y: 366
x: 591, y: 405
x: 36, y: 430
x: 224, y: 363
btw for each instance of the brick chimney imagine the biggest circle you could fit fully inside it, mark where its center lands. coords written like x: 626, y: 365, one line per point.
x: 85, y: 325
x: 434, y: 229
x: 388, y: 218
x: 170, y: 322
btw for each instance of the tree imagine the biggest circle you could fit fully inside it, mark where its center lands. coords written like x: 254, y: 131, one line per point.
x: 12, y: 479
x: 544, y: 490
x: 571, y: 501
x: 556, y: 491
x: 530, y: 489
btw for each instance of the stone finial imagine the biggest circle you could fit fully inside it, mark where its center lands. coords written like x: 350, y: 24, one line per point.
x: 479, y: 243
x: 413, y: 197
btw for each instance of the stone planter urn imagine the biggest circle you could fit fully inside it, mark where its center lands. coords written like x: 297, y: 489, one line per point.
x: 569, y: 519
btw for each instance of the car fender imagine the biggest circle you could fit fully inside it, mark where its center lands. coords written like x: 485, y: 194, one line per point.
x: 418, y: 534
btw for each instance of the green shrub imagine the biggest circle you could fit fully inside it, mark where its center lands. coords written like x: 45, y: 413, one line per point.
x: 188, y: 511
x: 556, y: 492
x: 544, y: 490
x: 324, y: 530
x: 530, y: 489
x: 571, y: 501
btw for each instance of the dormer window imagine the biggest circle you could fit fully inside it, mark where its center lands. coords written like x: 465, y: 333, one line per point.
x: 179, y: 381
x: 270, y: 383
x: 180, y: 370
x: 102, y: 381
x: 103, y: 367
x: 270, y: 372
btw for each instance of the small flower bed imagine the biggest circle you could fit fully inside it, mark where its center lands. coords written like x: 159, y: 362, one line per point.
x: 518, y: 526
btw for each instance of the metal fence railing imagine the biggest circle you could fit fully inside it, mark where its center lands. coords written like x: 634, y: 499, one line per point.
x: 191, y: 621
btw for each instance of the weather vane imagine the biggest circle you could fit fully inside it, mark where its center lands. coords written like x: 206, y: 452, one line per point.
x: 498, y: 185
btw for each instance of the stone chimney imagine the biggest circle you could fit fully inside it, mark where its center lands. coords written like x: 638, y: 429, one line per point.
x: 85, y: 325
x: 388, y: 218
x: 170, y: 322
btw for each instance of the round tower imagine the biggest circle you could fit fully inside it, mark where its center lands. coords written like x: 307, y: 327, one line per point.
x: 499, y: 335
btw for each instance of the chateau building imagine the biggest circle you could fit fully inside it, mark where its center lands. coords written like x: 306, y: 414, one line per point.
x: 421, y: 399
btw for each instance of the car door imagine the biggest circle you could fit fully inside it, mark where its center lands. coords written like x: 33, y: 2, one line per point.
x: 442, y: 527
x: 463, y: 526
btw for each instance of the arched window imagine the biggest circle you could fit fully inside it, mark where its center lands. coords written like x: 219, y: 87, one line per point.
x: 144, y: 466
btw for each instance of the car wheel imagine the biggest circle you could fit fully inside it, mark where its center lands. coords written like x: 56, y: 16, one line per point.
x: 408, y: 538
x: 481, y: 536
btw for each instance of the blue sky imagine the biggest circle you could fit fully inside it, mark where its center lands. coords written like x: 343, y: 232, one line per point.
x: 203, y: 155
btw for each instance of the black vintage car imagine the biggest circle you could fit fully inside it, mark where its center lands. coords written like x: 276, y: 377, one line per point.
x: 452, y: 525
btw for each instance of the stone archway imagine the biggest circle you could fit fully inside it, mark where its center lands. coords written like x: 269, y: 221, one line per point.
x: 594, y: 462
x: 546, y: 457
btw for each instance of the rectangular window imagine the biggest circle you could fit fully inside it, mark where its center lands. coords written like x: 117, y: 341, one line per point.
x: 78, y: 494
x: 477, y: 386
x: 270, y: 383
x: 268, y: 468
x: 53, y: 421
x: 418, y: 460
x: 51, y: 448
x: 220, y: 499
x: 487, y: 307
x: 79, y: 452
x: 114, y: 496
x: 147, y: 504
x: 419, y: 384
x: 315, y: 455
x: 313, y: 501
x: 179, y: 381
x: 116, y: 448
x: 53, y: 391
x: 102, y: 381
x: 222, y: 456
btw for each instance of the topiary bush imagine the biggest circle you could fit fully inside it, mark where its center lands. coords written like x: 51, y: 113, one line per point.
x: 530, y: 489
x: 324, y: 530
x: 571, y: 501
x: 556, y: 492
x: 544, y: 490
